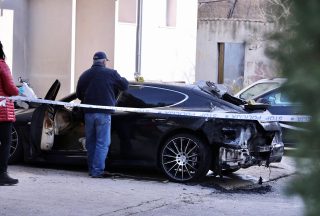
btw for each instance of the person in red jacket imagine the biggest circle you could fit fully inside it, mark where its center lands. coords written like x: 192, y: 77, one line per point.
x: 7, y: 117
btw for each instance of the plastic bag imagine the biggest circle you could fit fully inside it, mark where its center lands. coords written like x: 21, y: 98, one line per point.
x: 26, y: 91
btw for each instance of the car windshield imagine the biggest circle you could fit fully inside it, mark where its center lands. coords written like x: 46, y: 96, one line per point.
x: 258, y: 89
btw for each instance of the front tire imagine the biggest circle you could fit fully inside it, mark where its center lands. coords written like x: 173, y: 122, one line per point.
x: 184, y: 158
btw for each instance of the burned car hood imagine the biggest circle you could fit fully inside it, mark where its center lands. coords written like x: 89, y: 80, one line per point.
x: 221, y: 91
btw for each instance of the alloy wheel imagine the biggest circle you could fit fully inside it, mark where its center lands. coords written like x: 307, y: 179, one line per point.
x: 181, y: 158
x: 15, y: 142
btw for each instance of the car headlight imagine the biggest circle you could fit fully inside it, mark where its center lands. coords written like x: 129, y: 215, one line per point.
x: 237, y: 136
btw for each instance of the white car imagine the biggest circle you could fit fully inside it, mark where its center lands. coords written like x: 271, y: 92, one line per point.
x: 259, y: 87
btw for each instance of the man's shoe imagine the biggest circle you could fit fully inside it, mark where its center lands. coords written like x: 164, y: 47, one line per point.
x: 5, y: 179
x: 103, y: 175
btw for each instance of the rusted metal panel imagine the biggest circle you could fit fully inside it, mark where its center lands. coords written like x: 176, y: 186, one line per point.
x: 221, y: 63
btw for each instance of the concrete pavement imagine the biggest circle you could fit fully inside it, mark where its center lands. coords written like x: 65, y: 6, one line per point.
x: 56, y: 192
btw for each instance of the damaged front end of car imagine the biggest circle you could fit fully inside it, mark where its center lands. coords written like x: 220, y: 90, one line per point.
x: 244, y: 144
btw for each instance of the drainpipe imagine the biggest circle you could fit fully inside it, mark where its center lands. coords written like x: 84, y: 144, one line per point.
x: 1, y: 9
x: 73, y: 45
x: 138, y: 39
x: 232, y: 9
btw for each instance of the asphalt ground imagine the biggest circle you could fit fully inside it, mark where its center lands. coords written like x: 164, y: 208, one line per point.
x: 68, y: 190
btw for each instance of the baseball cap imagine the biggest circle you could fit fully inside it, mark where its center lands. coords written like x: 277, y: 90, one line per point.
x: 100, y: 55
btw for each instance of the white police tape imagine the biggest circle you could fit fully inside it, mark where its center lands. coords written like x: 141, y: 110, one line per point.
x: 222, y: 115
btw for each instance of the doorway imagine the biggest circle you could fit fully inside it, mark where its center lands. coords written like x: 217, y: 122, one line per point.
x: 231, y: 65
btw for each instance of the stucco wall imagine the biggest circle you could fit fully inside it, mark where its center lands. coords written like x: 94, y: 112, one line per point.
x: 41, y: 46
x: 232, y: 21
x: 95, y: 31
x: 14, y: 37
x: 49, y: 50
x: 125, y: 49
x: 42, y: 41
x: 252, y: 33
x: 168, y: 53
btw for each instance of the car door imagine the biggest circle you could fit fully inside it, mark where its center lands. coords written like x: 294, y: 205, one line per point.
x: 42, y: 131
x: 279, y: 103
x: 136, y: 135
x: 126, y: 125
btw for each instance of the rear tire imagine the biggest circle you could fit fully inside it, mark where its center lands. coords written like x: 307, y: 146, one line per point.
x: 185, y: 158
x: 16, y: 149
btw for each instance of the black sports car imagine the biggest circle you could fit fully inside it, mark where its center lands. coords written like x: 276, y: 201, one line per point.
x: 183, y: 147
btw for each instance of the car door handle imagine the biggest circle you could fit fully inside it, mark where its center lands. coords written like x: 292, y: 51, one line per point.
x: 160, y: 120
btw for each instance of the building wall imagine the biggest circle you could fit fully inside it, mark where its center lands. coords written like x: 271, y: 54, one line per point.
x: 252, y: 33
x: 13, y: 34
x: 49, y: 44
x: 234, y: 22
x: 125, y: 51
x: 95, y: 31
x: 39, y: 46
x: 49, y: 41
x: 167, y: 52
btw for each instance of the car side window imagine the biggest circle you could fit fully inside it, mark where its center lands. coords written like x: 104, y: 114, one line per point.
x: 277, y: 98
x: 140, y: 96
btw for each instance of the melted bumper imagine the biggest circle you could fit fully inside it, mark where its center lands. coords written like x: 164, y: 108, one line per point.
x: 230, y: 158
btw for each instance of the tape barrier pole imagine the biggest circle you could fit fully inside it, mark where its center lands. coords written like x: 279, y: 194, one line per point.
x: 222, y: 115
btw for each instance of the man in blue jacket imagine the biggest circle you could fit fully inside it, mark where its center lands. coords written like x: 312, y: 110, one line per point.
x: 99, y: 86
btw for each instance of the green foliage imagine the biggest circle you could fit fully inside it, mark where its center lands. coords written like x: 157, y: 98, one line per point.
x: 298, y: 53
